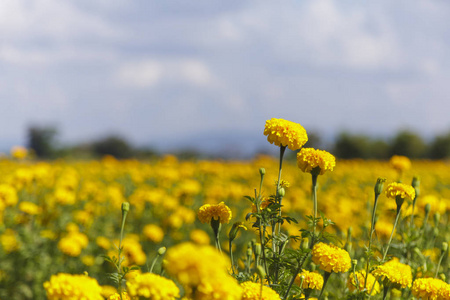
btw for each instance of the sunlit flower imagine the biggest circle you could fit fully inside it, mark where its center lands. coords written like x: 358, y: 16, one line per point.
x: 218, y: 212
x: 361, y: 277
x: 152, y: 286
x: 222, y: 287
x: 9, y: 241
x: 199, y: 236
x: 400, y: 189
x: 67, y: 287
x: 191, y: 264
x: 427, y: 288
x: 395, y: 272
x: 252, y: 291
x: 153, y: 232
x: 310, y: 158
x: 285, y: 133
x: 19, y: 152
x: 311, y: 280
x: 29, y: 208
x: 400, y: 163
x: 116, y: 296
x: 331, y: 258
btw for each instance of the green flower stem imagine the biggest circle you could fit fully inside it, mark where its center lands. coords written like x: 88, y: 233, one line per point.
x: 325, y: 281
x: 392, y: 233
x: 314, y: 198
x: 282, y: 150
x: 216, y: 226
x: 439, y: 264
x: 125, y: 209
x: 231, y: 256
x: 411, y: 223
x: 385, y: 291
x: 372, y: 230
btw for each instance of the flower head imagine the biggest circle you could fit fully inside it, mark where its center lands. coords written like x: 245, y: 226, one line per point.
x: 309, y: 159
x: 285, y: 133
x: 400, y: 189
x: 400, y: 163
x: 152, y: 286
x: 252, y: 292
x: 192, y: 264
x: 361, y: 277
x: 395, y: 272
x: 311, y: 280
x: 331, y: 258
x: 217, y: 211
x: 67, y: 286
x: 427, y: 288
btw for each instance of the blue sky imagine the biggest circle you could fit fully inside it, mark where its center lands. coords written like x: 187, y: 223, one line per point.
x: 173, y: 73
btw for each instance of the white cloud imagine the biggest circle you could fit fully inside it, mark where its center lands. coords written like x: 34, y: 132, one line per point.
x: 151, y: 72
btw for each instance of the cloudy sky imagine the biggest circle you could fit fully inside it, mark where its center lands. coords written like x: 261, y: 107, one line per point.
x: 170, y: 73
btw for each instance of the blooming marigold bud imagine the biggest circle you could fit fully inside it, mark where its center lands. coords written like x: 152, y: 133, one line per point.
x: 379, y: 185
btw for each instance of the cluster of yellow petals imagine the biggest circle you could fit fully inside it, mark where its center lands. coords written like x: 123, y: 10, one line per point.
x: 285, y: 133
x: 217, y: 211
x: 400, y: 189
x: 310, y: 158
x: 252, y: 291
x: 116, y: 296
x: 67, y: 286
x: 331, y: 258
x: 361, y: 278
x: 400, y: 163
x: 429, y: 288
x: 395, y: 272
x: 311, y: 280
x: 202, y: 271
x: 152, y: 286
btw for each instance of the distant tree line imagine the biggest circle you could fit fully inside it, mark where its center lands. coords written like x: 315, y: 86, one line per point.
x: 346, y: 146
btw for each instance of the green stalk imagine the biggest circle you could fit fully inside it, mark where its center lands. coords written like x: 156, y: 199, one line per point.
x: 282, y: 150
x: 125, y: 209
x: 231, y: 256
x: 372, y: 230
x: 314, y: 198
x: 325, y: 281
x: 439, y: 264
x: 392, y: 233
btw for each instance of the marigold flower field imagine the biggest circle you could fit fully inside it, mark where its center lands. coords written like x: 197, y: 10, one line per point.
x: 164, y: 229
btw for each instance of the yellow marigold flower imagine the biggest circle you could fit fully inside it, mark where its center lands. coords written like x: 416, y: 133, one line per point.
x: 222, y: 287
x: 152, y: 286
x: 400, y: 162
x: 199, y: 236
x: 427, y: 288
x: 154, y: 233
x: 395, y: 272
x: 88, y: 260
x: 311, y: 280
x: 361, y: 276
x: 19, y: 152
x: 132, y: 250
x: 8, y: 195
x: 310, y: 158
x: 285, y: 133
x: 218, y: 212
x: 444, y: 293
x: 67, y: 286
x: 103, y: 242
x: 400, y: 189
x: 192, y: 264
x: 331, y: 258
x: 116, y: 296
x: 9, y: 242
x: 252, y: 292
x: 29, y: 208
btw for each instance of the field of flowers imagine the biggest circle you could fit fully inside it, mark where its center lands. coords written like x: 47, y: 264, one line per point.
x: 164, y: 229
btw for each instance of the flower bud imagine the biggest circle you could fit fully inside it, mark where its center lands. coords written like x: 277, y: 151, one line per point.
x: 125, y: 207
x: 437, y: 218
x: 379, y: 185
x: 162, y: 250
x: 427, y: 208
x: 260, y: 271
x: 281, y: 192
x: 258, y: 249
x: 262, y: 171
x: 444, y: 247
x: 354, y: 262
x: 234, y: 230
